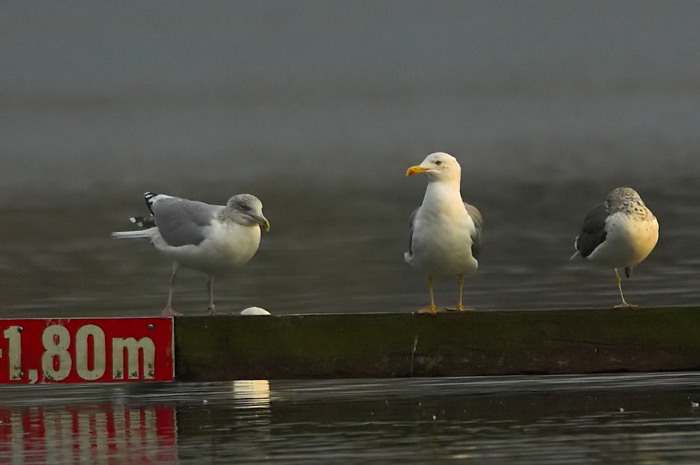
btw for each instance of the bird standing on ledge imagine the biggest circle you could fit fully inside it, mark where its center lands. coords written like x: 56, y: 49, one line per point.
x: 445, y: 233
x: 213, y: 239
x: 618, y: 233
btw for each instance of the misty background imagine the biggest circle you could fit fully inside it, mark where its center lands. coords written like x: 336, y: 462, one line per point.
x: 318, y: 108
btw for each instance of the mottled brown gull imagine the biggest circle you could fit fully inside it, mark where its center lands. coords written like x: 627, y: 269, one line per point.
x: 618, y: 233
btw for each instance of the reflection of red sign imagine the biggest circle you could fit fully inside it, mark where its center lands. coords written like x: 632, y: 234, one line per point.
x: 88, y: 434
x: 81, y: 350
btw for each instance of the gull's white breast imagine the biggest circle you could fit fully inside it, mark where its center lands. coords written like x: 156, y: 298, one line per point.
x: 442, y: 242
x: 227, y: 246
x: 629, y: 240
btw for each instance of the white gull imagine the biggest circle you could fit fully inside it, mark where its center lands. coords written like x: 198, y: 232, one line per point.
x: 213, y: 239
x: 445, y: 233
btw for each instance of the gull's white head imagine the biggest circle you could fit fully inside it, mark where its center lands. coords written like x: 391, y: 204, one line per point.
x: 248, y: 209
x: 438, y: 166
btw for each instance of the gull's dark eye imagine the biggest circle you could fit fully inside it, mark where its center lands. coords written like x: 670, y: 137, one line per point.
x: 438, y: 163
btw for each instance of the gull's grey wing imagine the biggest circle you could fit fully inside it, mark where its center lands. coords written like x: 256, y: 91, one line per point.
x: 183, y: 222
x: 477, y: 237
x: 593, y: 230
x: 410, y: 231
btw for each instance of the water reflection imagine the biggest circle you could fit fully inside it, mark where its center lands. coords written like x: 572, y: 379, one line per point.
x: 640, y: 418
x: 88, y: 434
x: 251, y: 394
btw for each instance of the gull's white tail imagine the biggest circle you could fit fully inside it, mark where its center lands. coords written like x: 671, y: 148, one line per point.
x: 143, y: 234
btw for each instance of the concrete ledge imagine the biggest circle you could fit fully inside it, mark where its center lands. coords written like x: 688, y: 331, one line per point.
x: 448, y: 344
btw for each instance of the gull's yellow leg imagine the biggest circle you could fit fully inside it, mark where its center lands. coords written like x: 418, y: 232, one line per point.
x: 433, y: 308
x: 624, y: 303
x: 460, y: 307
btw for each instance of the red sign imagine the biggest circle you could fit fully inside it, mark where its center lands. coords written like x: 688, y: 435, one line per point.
x: 86, y: 350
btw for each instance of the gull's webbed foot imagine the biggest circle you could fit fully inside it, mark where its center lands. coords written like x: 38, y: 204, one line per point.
x: 169, y: 312
x: 432, y: 310
x: 626, y: 305
x: 460, y: 308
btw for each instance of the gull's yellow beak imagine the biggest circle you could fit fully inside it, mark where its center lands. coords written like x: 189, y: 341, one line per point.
x: 415, y: 170
x: 264, y: 223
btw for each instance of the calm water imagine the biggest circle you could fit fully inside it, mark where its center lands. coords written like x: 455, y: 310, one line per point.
x: 641, y: 419
x: 318, y: 108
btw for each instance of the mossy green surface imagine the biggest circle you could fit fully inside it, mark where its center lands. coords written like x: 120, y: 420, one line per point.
x: 447, y: 344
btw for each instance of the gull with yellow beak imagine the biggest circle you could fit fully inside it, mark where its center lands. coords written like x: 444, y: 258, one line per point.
x: 445, y: 234
x: 213, y: 239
